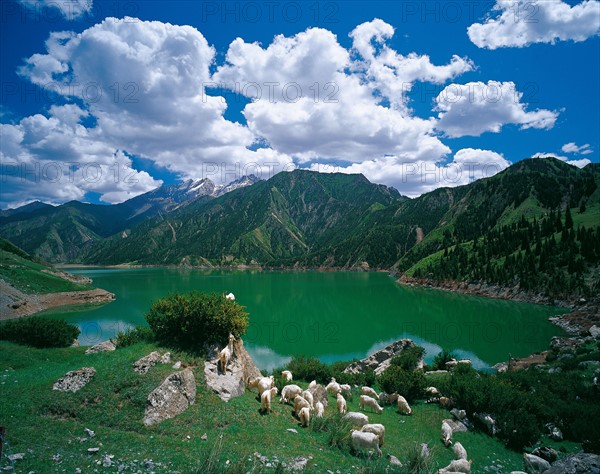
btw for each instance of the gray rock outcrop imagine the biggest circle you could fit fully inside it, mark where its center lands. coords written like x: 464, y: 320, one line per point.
x: 319, y: 394
x: 580, y: 463
x: 241, y: 368
x: 74, y: 380
x: 144, y: 364
x: 106, y: 346
x: 170, y: 398
x: 380, y: 360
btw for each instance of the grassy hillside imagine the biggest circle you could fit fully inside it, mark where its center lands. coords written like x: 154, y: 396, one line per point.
x: 31, y: 275
x: 47, y: 424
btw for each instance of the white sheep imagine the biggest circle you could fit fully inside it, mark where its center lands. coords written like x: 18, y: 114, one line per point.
x: 375, y: 428
x: 446, y: 434
x: 451, y: 364
x: 313, y: 384
x: 230, y: 296
x: 403, y: 406
x: 370, y: 392
x: 253, y: 382
x: 289, y: 392
x: 286, y: 375
x: 457, y: 466
x: 356, y: 418
x: 308, y: 396
x: 226, y: 353
x: 304, y: 416
x: 362, y: 440
x: 345, y: 389
x: 535, y: 463
x: 446, y: 402
x: 265, y: 399
x: 299, y: 403
x: 432, y: 392
x: 464, y: 362
x: 333, y: 387
x: 366, y: 401
x: 341, y: 404
x: 265, y: 383
x: 320, y: 409
x: 459, y: 451
x: 393, y: 398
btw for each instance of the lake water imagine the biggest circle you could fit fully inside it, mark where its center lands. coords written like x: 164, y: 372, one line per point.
x: 330, y: 315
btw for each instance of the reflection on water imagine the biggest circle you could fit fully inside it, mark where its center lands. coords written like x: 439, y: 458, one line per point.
x: 332, y: 316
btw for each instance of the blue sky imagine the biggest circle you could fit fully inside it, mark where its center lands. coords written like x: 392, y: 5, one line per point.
x: 412, y: 94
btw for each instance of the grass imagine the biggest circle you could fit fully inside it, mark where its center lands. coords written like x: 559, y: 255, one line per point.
x: 43, y: 423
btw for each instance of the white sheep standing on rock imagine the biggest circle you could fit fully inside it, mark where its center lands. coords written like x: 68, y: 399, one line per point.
x: 459, y: 465
x: 446, y: 434
x: 362, y: 440
x: 367, y: 401
x: 265, y: 399
x: 333, y: 387
x: 341, y: 404
x: 357, y: 418
x: 289, y: 392
x: 265, y: 383
x: 286, y: 375
x: 370, y: 392
x: 459, y: 451
x: 300, y: 403
x: 226, y: 354
x: 308, y: 396
x: 230, y: 296
x: 320, y: 409
x: 304, y: 416
x: 375, y: 428
x: 403, y: 406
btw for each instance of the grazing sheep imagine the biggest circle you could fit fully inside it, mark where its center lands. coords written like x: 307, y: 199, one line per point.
x: 451, y: 364
x: 446, y: 434
x: 346, y: 389
x: 299, y: 403
x: 265, y: 383
x: 313, y: 384
x: 286, y: 375
x: 366, y: 401
x: 535, y: 463
x: 362, y: 440
x: 464, y: 362
x: 446, y: 402
x: 333, y: 387
x: 459, y: 451
x: 320, y: 410
x: 265, y: 399
x: 341, y: 404
x: 230, y: 296
x: 393, y: 398
x: 356, y: 418
x: 226, y: 353
x: 309, y: 398
x: 289, y: 392
x: 253, y: 382
x: 403, y: 406
x: 304, y: 416
x: 432, y: 392
x: 456, y: 466
x: 375, y: 428
x: 370, y: 392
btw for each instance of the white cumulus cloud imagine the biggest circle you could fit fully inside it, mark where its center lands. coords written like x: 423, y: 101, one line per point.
x: 519, y: 23
x: 70, y: 9
x: 578, y: 150
x: 477, y: 107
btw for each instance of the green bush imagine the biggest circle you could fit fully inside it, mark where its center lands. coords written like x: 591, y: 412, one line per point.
x: 408, y: 383
x: 39, y: 332
x: 409, y: 358
x: 133, y: 336
x: 195, y: 320
x: 308, y: 369
x: 439, y: 361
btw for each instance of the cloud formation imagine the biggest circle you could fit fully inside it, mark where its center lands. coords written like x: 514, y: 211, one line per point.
x: 578, y: 150
x: 520, y: 23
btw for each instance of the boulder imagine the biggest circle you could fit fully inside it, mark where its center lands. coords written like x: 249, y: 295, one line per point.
x: 380, y: 360
x: 546, y: 452
x: 144, y: 364
x: 595, y: 332
x: 170, y: 398
x: 74, y: 380
x: 319, y: 394
x: 239, y: 371
x: 106, y: 346
x: 580, y: 463
x: 457, y: 426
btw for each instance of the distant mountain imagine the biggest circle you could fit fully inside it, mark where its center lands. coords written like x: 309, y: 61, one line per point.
x: 61, y: 233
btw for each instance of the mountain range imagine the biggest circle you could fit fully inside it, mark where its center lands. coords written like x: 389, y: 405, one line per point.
x: 305, y: 219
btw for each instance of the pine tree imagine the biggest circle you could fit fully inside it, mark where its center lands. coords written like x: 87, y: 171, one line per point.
x: 568, y: 219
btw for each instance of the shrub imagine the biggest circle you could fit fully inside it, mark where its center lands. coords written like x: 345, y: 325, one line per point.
x: 409, y: 358
x: 439, y: 361
x: 309, y: 368
x: 133, y: 336
x: 408, y: 383
x: 194, y: 320
x: 39, y: 332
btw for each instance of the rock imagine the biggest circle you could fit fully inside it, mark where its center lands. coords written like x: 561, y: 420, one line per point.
x: 106, y: 346
x: 204, y: 437
x: 380, y: 360
x: 90, y: 433
x: 394, y: 461
x: 501, y: 367
x: 546, y: 452
x: 488, y: 421
x: 535, y: 463
x: 299, y: 463
x: 75, y: 343
x: 319, y: 394
x: 93, y: 450
x: 292, y: 430
x: 16, y: 457
x: 595, y: 331
x: 166, y: 358
x: 143, y: 365
x: 554, y: 433
x: 170, y: 398
x: 580, y: 463
x: 433, y: 372
x: 587, y: 364
x: 457, y: 426
x: 240, y: 369
x: 458, y: 414
x: 74, y: 380
x: 177, y: 365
